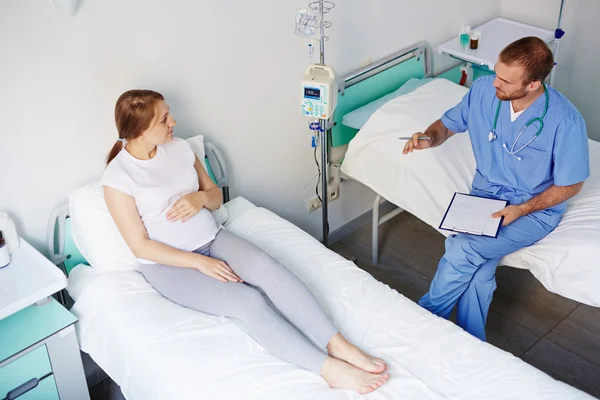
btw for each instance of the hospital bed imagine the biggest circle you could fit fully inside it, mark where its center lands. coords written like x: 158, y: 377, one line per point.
x: 398, y: 98
x: 155, y: 349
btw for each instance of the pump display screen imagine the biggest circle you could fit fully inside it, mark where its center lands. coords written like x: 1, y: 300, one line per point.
x: 312, y: 93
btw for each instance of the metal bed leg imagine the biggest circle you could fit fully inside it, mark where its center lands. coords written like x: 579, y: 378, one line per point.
x: 375, y: 230
x: 379, y: 220
x: 225, y: 194
x: 61, y: 298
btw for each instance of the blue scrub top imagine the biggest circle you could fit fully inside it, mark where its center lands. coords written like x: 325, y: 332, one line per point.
x: 559, y: 155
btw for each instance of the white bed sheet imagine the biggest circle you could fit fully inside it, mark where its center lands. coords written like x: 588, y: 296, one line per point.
x: 566, y: 262
x: 155, y: 349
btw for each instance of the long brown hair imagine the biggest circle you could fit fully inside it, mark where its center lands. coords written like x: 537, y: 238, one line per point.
x: 134, y: 113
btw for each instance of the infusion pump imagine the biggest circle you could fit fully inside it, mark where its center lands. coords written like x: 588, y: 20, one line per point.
x: 319, y: 92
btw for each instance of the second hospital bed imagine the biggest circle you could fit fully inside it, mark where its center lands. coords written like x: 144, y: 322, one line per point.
x: 155, y: 349
x: 566, y: 262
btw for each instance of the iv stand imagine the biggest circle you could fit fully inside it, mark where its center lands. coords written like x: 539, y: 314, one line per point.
x: 558, y: 34
x: 323, y: 135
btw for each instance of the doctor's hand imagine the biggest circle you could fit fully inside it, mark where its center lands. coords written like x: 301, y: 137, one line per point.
x: 510, y: 213
x: 416, y: 144
x: 217, y: 269
x: 186, y: 207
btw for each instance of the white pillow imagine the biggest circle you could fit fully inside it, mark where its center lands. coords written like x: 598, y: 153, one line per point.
x: 95, y: 233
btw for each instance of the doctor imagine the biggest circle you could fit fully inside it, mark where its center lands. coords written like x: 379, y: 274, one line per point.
x: 530, y: 146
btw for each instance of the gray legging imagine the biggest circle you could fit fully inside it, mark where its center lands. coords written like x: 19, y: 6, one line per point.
x: 191, y: 288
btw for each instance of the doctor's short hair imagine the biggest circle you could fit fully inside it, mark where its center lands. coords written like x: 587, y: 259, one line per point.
x: 533, y: 54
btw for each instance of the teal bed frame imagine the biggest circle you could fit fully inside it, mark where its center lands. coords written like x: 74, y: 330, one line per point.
x: 63, y: 251
x: 365, y: 85
x: 375, y: 81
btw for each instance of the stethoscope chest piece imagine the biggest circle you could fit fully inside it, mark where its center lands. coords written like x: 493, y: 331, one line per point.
x: 492, y: 136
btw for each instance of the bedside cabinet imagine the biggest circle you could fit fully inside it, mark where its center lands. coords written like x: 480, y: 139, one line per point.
x: 39, y: 353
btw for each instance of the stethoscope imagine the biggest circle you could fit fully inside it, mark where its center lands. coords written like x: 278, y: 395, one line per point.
x: 492, y: 135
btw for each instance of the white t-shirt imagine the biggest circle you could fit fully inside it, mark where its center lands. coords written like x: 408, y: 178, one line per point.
x: 514, y: 115
x: 155, y: 185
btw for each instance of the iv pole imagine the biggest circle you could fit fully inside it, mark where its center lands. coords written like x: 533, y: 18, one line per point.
x: 323, y: 135
x: 558, y: 34
x: 320, y: 7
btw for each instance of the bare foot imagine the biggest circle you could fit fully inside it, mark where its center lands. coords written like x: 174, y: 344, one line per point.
x: 339, y: 347
x: 341, y: 375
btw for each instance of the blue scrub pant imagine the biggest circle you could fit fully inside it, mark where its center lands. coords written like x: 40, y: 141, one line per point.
x: 466, y: 272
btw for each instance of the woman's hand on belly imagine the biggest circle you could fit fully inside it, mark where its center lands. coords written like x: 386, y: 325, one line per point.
x: 187, y: 206
x: 216, y: 269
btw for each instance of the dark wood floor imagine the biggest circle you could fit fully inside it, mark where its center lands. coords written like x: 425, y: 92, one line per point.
x: 559, y: 336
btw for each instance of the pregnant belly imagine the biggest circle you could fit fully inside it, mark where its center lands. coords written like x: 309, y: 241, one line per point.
x: 187, y: 236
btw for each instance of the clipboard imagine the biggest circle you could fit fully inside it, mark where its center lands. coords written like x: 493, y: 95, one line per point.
x: 471, y: 214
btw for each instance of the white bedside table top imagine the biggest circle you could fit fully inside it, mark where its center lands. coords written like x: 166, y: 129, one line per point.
x: 29, y: 278
x: 495, y: 35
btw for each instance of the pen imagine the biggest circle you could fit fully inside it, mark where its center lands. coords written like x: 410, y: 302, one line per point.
x: 410, y: 138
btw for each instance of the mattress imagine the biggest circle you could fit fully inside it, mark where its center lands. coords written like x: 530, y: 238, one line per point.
x: 423, y: 183
x: 155, y: 349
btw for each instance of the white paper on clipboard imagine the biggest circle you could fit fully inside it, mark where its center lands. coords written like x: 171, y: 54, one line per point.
x: 473, y: 214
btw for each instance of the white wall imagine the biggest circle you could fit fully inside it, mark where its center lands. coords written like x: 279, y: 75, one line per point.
x: 578, y: 57
x: 542, y: 13
x: 225, y: 73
